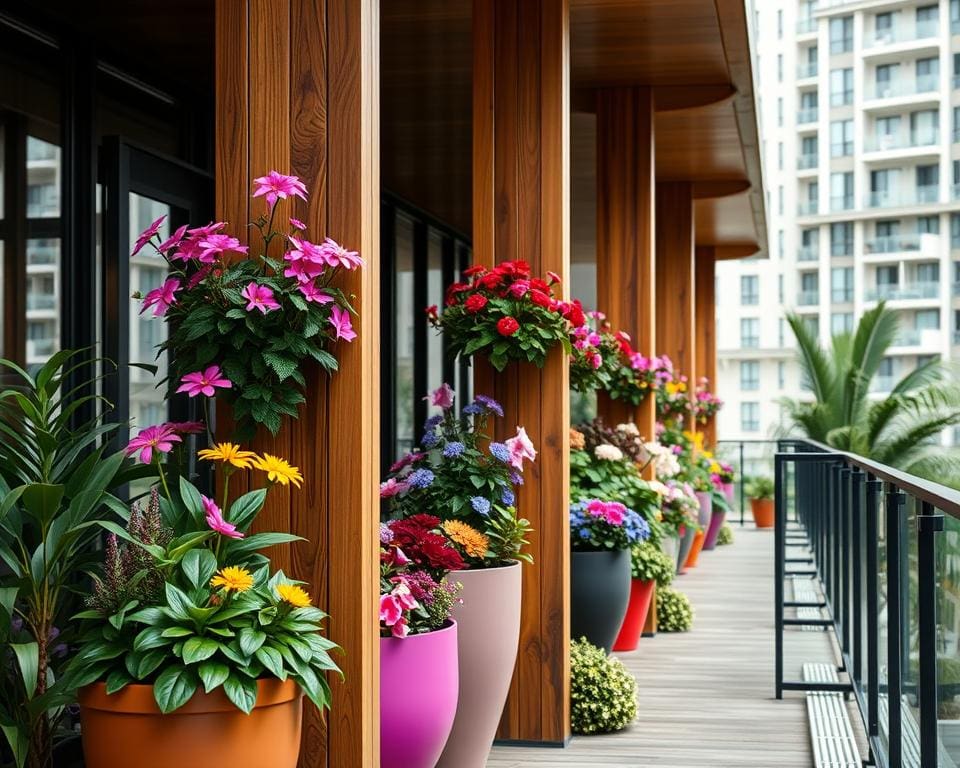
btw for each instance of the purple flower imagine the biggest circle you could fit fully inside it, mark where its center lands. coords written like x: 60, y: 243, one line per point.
x: 441, y: 397
x: 516, y: 478
x: 500, y: 452
x: 481, y: 505
x: 432, y: 422
x: 430, y: 439
x: 490, y: 404
x: 454, y: 449
x: 386, y: 535
x: 420, y: 478
x: 508, y: 497
x: 472, y: 410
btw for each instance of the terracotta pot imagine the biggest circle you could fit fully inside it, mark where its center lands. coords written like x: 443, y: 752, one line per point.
x: 716, y: 523
x: 599, y: 594
x: 706, y: 508
x: 127, y: 728
x: 762, y: 512
x: 641, y: 596
x: 419, y: 681
x: 695, y: 549
x: 488, y: 634
x: 686, y: 543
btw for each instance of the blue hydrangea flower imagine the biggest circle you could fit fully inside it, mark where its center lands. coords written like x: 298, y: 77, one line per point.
x: 451, y: 450
x: 432, y: 422
x: 507, y: 497
x: 386, y: 535
x: 516, y: 478
x: 430, y: 439
x: 481, y: 505
x: 472, y: 410
x: 490, y: 405
x: 420, y: 478
x: 500, y: 452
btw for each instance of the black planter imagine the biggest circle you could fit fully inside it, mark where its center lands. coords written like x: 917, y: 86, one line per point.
x: 599, y: 594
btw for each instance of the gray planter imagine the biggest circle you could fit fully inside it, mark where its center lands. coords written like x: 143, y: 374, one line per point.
x: 599, y: 595
x: 686, y: 542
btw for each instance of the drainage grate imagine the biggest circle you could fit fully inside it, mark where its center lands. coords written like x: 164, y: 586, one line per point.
x: 831, y: 735
x: 803, y: 591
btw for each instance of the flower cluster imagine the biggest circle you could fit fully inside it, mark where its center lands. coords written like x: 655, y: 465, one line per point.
x: 636, y: 375
x: 603, y: 692
x: 596, y: 354
x: 664, y: 460
x: 242, y: 326
x: 705, y: 403
x: 597, y: 525
x: 722, y: 476
x: 625, y: 438
x: 465, y: 481
x: 680, y: 507
x: 505, y: 314
x: 673, y: 397
x: 674, y: 612
x: 649, y: 563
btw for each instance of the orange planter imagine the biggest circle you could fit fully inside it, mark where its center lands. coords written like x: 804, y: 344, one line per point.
x: 127, y: 728
x: 762, y: 512
x: 696, y: 549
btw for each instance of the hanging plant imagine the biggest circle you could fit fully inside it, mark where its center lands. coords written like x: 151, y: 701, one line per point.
x: 595, y: 358
x: 705, y: 404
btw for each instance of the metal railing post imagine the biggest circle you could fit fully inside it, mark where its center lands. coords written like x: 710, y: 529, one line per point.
x: 873, y: 490
x: 929, y: 522
x: 780, y: 529
x: 845, y: 558
x: 895, y: 501
x: 856, y: 528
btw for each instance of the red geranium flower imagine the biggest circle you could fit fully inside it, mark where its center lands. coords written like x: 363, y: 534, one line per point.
x: 475, y: 303
x: 507, y: 326
x: 491, y: 281
x: 431, y: 311
x: 476, y: 269
x: 540, y: 298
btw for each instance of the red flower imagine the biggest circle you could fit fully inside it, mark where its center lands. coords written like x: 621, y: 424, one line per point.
x: 491, y: 281
x: 540, y: 298
x: 475, y: 303
x: 623, y: 340
x: 431, y: 311
x: 452, y: 292
x: 476, y: 269
x: 507, y: 326
x: 537, y: 284
x: 515, y: 268
x: 574, y: 314
x: 554, y: 277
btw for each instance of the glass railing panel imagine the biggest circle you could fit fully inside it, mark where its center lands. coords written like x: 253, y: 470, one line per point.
x: 883, y: 621
x: 808, y: 253
x: 910, y: 624
x: 948, y: 639
x: 808, y: 115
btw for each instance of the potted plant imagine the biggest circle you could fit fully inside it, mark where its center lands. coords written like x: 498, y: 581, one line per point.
x: 674, y: 612
x: 601, y: 535
x: 680, y: 509
x: 505, y: 314
x: 705, y: 403
x: 419, y: 678
x: 722, y: 477
x: 190, y: 635
x: 469, y: 483
x: 650, y: 569
x: 760, y: 491
x: 603, y: 692
x: 595, y: 355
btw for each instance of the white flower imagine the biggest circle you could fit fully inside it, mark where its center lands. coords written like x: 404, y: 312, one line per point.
x: 658, y: 487
x: 666, y: 465
x: 608, y: 452
x: 629, y: 428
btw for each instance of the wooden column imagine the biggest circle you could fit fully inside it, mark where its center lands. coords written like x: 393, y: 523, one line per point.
x: 675, y: 276
x: 297, y: 91
x: 706, y: 329
x: 626, y: 280
x: 521, y: 211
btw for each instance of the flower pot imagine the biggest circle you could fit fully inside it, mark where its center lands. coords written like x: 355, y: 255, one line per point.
x: 488, y: 633
x: 762, y: 512
x: 728, y: 493
x: 695, y: 549
x: 641, y: 595
x: 419, y: 681
x: 599, y: 594
x: 713, y: 531
x: 127, y: 728
x: 686, y: 543
x: 706, y: 508
x: 670, y: 545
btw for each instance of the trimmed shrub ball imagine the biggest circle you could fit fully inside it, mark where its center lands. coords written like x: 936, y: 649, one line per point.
x: 674, y: 612
x: 603, y: 694
x: 726, y: 535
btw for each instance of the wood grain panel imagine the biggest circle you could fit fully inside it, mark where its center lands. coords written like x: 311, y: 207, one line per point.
x: 706, y: 328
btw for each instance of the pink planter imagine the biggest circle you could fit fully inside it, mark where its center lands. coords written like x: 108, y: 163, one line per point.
x: 418, y: 697
x: 728, y: 493
x: 716, y: 523
x: 706, y: 508
x: 489, y: 633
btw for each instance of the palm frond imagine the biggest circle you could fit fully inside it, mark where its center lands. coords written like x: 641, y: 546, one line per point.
x: 922, y: 376
x: 937, y: 463
x: 817, y: 368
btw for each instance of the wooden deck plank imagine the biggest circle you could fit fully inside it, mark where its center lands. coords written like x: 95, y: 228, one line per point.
x: 706, y: 696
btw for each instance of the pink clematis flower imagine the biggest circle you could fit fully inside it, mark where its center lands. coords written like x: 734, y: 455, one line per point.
x: 297, y: 224
x: 259, y: 297
x: 213, y: 245
x: 159, y: 437
x: 391, y: 487
x: 306, y: 260
x: 162, y: 298
x: 390, y: 610
x: 520, y: 448
x: 340, y: 320
x: 337, y: 256
x: 147, y: 235
x: 276, y: 186
x: 442, y: 396
x: 216, y: 520
x: 173, y: 241
x: 312, y: 293
x: 204, y: 382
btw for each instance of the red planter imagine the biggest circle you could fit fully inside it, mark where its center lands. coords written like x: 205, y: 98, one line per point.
x: 641, y: 596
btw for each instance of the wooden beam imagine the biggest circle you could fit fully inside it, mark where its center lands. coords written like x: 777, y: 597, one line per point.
x: 521, y: 211
x: 626, y: 280
x: 297, y: 91
x: 706, y: 329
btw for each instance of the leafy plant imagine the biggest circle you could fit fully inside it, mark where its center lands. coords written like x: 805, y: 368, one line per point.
x: 598, y: 525
x: 674, y: 612
x: 725, y: 536
x: 759, y: 487
x: 649, y: 563
x: 57, y: 480
x: 603, y: 693
x: 595, y: 358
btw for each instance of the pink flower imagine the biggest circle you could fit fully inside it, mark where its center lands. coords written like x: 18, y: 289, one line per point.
x: 216, y: 520
x: 395, y: 556
x: 158, y: 438
x: 441, y: 397
x: 596, y: 508
x: 520, y: 448
x: 276, y: 186
x: 297, y: 224
x: 404, y: 596
x: 213, y: 245
x: 400, y: 629
x: 146, y: 236
x: 312, y: 293
x: 390, y: 610
x: 259, y: 297
x: 204, y: 382
x: 173, y: 240
x: 596, y: 361
x: 307, y: 260
x: 391, y: 488
x: 337, y: 256
x: 162, y: 298
x: 519, y: 288
x: 199, y: 275
x: 340, y: 320
x: 615, y: 513
x: 186, y: 427
x: 201, y: 233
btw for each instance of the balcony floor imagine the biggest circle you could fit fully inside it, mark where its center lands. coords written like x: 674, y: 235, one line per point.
x: 706, y: 696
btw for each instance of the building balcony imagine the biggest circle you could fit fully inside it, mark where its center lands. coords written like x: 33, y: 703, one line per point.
x: 39, y: 350
x: 904, y: 197
x: 807, y: 161
x: 807, y: 70
x: 808, y: 208
x: 905, y: 87
x: 806, y: 26
x: 909, y: 291
x: 883, y: 383
x: 841, y: 203
x: 808, y: 253
x: 928, y: 338
x: 808, y: 298
x: 41, y: 301
x: 889, y: 142
x: 808, y: 115
x: 903, y: 33
x: 904, y: 244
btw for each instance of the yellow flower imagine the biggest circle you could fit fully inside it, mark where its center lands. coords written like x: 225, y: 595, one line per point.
x: 229, y: 453
x: 474, y: 543
x: 232, y: 579
x: 714, y: 467
x: 278, y: 470
x: 291, y: 593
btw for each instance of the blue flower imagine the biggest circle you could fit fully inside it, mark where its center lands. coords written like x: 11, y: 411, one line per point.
x: 500, y: 452
x: 507, y: 497
x: 451, y: 450
x: 472, y: 410
x: 420, y: 478
x: 584, y: 533
x: 481, y: 505
x: 430, y: 439
x: 386, y: 535
x: 432, y: 422
x: 490, y: 405
x: 516, y: 478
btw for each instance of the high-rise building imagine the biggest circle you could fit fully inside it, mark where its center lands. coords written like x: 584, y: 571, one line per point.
x: 860, y: 123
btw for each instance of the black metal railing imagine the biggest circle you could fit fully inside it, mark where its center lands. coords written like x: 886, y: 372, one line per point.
x: 749, y: 458
x: 885, y: 548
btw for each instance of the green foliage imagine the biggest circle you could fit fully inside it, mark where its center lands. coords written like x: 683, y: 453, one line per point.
x: 674, y: 612
x: 508, y: 534
x: 759, y: 487
x: 649, y: 562
x: 901, y: 429
x: 56, y: 482
x: 603, y: 693
x: 725, y: 536
x: 595, y: 357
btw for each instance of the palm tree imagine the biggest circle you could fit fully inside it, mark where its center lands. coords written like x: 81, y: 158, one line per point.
x: 903, y: 428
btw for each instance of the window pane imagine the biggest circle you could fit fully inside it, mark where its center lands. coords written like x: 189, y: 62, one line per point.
x: 435, y: 290
x: 43, y: 299
x: 404, y: 335
x: 43, y: 179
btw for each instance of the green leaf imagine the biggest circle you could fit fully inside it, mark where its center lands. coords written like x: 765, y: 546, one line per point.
x: 28, y: 660
x: 199, y: 565
x: 42, y: 501
x: 19, y: 742
x: 251, y: 640
x: 191, y: 499
x: 178, y: 603
x: 151, y: 637
x: 212, y: 674
x: 149, y: 662
x: 178, y: 632
x: 272, y: 660
x: 242, y: 691
x: 8, y: 596
x: 246, y: 508
x: 174, y: 687
x: 198, y: 649
x: 117, y: 680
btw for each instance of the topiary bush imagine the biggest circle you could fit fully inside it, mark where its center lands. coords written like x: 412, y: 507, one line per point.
x: 603, y: 694
x: 674, y: 612
x: 725, y: 536
x: 648, y: 561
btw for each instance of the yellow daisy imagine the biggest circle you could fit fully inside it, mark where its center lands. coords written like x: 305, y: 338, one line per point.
x: 229, y: 453
x: 232, y: 579
x: 290, y: 593
x: 278, y: 470
x: 474, y: 543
